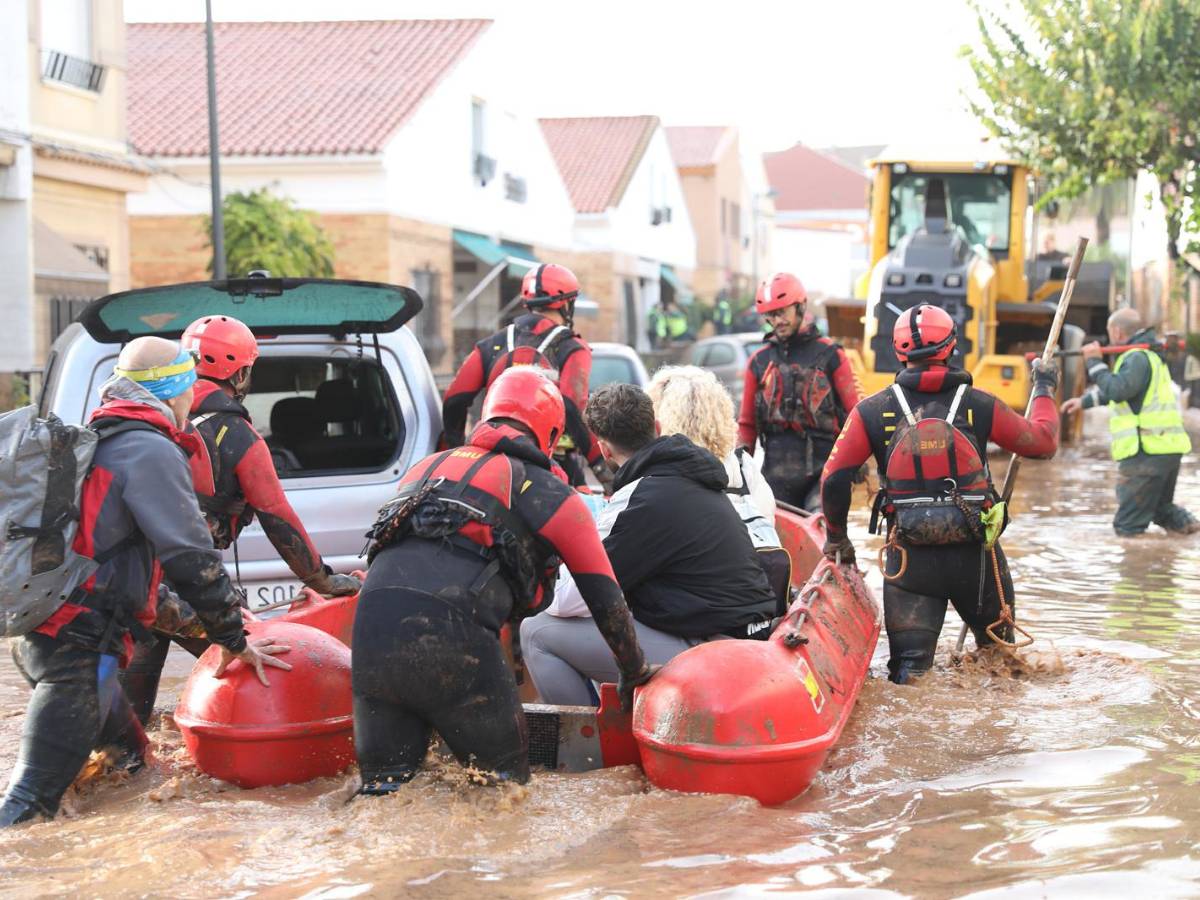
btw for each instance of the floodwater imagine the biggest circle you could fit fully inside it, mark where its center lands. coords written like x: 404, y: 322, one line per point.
x: 1076, y: 779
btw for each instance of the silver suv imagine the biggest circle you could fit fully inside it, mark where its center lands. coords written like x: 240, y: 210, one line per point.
x: 341, y: 392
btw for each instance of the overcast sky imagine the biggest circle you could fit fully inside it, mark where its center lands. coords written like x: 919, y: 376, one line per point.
x: 844, y: 72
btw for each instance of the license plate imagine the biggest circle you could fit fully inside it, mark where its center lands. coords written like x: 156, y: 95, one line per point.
x: 266, y: 594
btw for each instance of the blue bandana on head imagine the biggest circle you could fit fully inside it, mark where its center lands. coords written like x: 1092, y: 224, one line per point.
x: 165, y: 382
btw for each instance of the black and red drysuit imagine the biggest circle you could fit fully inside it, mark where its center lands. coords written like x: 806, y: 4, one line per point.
x: 570, y: 356
x: 476, y: 544
x: 796, y: 396
x: 915, y: 603
x: 235, y: 480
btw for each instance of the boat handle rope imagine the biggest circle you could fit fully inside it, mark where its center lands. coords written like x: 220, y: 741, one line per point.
x: 804, y: 603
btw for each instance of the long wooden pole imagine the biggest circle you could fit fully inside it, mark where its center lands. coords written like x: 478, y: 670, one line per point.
x: 1014, y: 464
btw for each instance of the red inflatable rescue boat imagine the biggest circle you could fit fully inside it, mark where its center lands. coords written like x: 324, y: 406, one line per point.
x: 758, y: 718
x: 297, y: 729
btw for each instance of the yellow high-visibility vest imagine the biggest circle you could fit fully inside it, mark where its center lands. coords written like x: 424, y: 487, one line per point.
x: 1158, y: 428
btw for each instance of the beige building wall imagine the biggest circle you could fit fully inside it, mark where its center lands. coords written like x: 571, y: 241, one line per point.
x: 82, y: 170
x: 719, y: 235
x: 83, y: 116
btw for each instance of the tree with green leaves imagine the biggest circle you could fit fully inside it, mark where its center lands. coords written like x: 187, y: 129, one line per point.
x: 1090, y: 92
x: 263, y: 231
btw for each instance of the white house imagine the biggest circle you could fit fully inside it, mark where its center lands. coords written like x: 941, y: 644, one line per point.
x: 396, y: 133
x: 633, y: 235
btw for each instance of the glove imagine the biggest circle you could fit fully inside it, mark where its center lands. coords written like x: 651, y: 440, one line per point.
x: 604, y: 475
x: 327, y: 584
x: 175, y: 618
x: 626, y: 684
x: 835, y: 546
x: 1045, y: 378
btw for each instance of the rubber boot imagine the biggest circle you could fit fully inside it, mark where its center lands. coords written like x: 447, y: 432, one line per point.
x: 28, y: 793
x: 380, y: 784
x: 912, y: 654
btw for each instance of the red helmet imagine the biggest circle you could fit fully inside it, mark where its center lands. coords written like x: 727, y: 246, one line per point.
x: 223, y: 345
x: 924, y: 332
x: 526, y: 394
x: 549, y: 286
x: 779, y: 291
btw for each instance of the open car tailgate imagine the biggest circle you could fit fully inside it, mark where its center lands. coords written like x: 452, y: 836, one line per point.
x: 267, y: 305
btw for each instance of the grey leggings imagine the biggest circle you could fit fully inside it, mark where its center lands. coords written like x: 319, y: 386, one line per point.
x: 563, y: 655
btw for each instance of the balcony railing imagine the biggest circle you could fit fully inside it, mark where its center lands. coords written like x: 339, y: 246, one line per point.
x: 72, y: 70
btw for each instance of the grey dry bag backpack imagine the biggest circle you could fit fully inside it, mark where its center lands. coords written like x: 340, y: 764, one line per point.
x: 43, y: 463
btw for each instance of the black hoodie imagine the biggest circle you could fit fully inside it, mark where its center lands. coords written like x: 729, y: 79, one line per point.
x: 679, y: 549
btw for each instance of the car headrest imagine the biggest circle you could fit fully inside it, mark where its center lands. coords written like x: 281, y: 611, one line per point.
x: 296, y: 419
x: 338, y: 401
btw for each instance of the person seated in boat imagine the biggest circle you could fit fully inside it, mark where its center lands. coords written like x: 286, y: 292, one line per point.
x: 929, y: 433
x: 470, y: 543
x: 678, y: 547
x: 235, y: 482
x: 691, y: 401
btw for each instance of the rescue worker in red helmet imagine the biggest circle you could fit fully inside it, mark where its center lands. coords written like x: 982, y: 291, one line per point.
x: 928, y: 433
x: 544, y: 336
x: 798, y: 390
x: 473, y: 540
x: 235, y: 481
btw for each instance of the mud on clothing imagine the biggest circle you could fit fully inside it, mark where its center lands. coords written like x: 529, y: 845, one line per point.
x: 138, y: 495
x: 915, y: 604
x: 236, y: 481
x: 443, y: 599
x: 77, y: 706
x: 795, y: 398
x: 570, y: 355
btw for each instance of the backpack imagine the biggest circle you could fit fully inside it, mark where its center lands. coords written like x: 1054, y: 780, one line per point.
x: 936, y: 485
x: 43, y: 465
x: 524, y: 348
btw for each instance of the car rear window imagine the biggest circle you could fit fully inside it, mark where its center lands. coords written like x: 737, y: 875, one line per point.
x: 611, y: 370
x: 321, y: 416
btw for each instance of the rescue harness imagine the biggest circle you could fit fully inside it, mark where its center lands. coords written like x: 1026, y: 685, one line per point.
x: 437, y: 509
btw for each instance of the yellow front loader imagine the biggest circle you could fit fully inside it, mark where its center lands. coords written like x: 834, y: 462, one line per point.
x: 953, y: 234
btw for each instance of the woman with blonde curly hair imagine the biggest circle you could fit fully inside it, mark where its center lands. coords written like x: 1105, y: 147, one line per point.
x: 690, y: 401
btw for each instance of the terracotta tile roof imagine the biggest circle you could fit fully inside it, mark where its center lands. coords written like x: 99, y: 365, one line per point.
x: 807, y: 179
x: 597, y: 156
x: 285, y: 88
x: 695, y: 146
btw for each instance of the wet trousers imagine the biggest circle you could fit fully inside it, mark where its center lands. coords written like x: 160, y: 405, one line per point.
x: 423, y: 663
x: 140, y: 678
x: 914, y: 606
x: 565, y: 655
x: 77, y: 706
x: 1146, y: 493
x: 792, y: 465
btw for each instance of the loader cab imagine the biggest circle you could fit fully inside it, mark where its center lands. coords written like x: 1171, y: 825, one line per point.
x: 949, y: 231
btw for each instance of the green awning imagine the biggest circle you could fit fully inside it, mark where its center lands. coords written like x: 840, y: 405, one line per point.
x: 491, y: 253
x: 682, y: 294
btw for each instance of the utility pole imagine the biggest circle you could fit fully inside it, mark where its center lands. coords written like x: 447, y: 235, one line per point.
x: 214, y: 153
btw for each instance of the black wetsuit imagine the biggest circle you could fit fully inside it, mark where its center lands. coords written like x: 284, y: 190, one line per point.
x: 915, y: 604
x: 427, y: 653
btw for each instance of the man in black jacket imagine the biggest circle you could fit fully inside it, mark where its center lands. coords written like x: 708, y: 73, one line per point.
x: 678, y: 548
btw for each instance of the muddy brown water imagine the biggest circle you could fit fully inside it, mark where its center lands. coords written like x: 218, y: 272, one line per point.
x: 1079, y: 779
